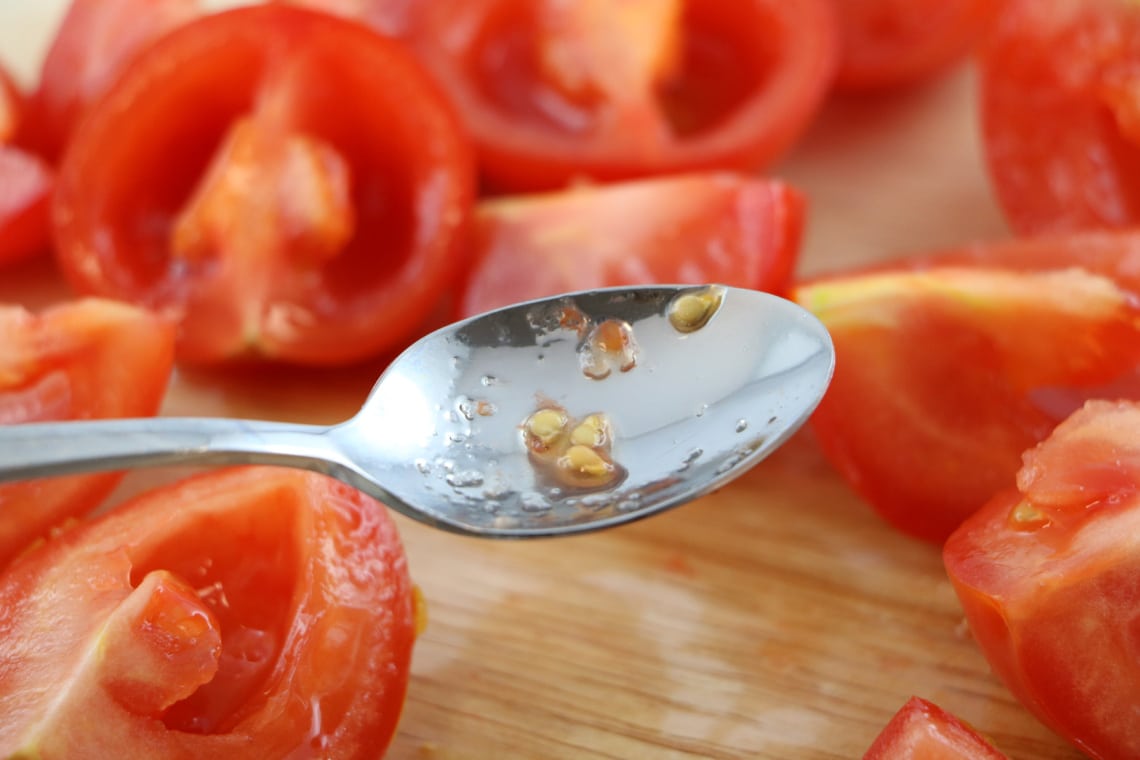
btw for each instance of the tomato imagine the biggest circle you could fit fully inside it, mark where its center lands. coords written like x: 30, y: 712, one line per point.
x: 695, y: 228
x: 894, y: 43
x: 948, y: 369
x: 921, y: 730
x: 25, y: 184
x: 85, y: 359
x: 1048, y: 575
x: 554, y: 91
x: 94, y: 41
x: 285, y: 184
x: 1062, y: 131
x: 248, y: 613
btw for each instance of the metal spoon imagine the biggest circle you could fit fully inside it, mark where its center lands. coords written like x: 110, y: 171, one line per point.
x: 678, y: 389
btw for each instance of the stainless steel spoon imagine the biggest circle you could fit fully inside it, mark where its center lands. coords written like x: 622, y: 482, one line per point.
x: 672, y: 391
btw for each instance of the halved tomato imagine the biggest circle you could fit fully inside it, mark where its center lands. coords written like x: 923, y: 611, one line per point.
x: 87, y: 359
x: 94, y: 41
x: 249, y: 613
x: 921, y: 730
x: 698, y: 228
x: 1062, y: 129
x: 283, y: 183
x: 948, y: 368
x: 1049, y: 577
x: 552, y: 91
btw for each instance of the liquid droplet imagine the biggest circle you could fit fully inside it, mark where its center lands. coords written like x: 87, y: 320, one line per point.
x: 423, y: 466
x: 533, y: 502
x: 464, y: 478
x: 741, y: 425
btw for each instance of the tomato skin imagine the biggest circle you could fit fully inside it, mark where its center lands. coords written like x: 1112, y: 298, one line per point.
x: 921, y: 730
x: 296, y: 643
x: 887, y: 44
x: 1062, y: 132
x: 748, y: 78
x: 156, y: 209
x: 94, y: 41
x: 1024, y: 348
x: 86, y: 359
x: 721, y: 227
x: 1047, y: 575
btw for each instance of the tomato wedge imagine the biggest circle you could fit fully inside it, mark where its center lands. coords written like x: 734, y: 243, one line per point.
x: 698, y: 228
x: 921, y: 730
x: 311, y: 211
x: 26, y: 184
x: 1048, y: 573
x: 94, y: 41
x: 553, y: 91
x: 86, y: 359
x: 947, y: 368
x: 246, y: 613
x: 1062, y: 130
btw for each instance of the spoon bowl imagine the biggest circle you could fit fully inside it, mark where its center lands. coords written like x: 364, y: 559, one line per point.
x: 549, y: 417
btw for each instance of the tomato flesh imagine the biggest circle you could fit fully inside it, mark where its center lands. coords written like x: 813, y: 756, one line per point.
x: 1060, y: 129
x: 1048, y: 573
x: 921, y: 730
x: 243, y: 613
x: 1024, y: 347
x: 311, y: 212
x: 88, y: 359
x: 721, y: 228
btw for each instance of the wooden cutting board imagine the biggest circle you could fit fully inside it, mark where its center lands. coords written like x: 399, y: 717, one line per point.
x: 777, y: 618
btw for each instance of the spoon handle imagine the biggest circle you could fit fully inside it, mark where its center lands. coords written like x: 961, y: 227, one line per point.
x: 44, y: 449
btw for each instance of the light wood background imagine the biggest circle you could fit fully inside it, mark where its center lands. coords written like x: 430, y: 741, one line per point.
x: 778, y: 618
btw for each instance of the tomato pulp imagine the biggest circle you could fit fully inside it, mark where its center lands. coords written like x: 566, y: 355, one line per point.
x: 285, y: 184
x: 1048, y: 574
x: 921, y: 730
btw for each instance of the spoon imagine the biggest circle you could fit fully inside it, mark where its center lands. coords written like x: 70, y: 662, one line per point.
x: 550, y: 417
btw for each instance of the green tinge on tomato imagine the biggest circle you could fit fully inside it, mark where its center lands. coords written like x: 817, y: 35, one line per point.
x: 946, y: 374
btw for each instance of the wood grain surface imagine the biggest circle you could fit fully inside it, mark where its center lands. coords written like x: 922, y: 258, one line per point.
x: 777, y: 618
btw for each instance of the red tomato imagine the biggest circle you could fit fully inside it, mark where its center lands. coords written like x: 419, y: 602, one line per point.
x: 250, y: 613
x: 85, y: 359
x: 285, y: 184
x: 687, y: 229
x: 1062, y: 130
x: 552, y: 91
x: 25, y: 184
x: 893, y: 43
x: 921, y: 730
x: 947, y: 369
x: 1048, y: 576
x: 95, y: 40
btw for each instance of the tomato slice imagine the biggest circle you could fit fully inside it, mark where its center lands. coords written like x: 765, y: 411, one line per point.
x: 946, y: 370
x: 895, y: 43
x: 248, y: 613
x: 25, y: 184
x: 94, y: 41
x: 553, y: 91
x: 86, y: 359
x: 1047, y: 575
x: 921, y: 730
x: 285, y: 184
x: 721, y: 228
x: 1062, y: 131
